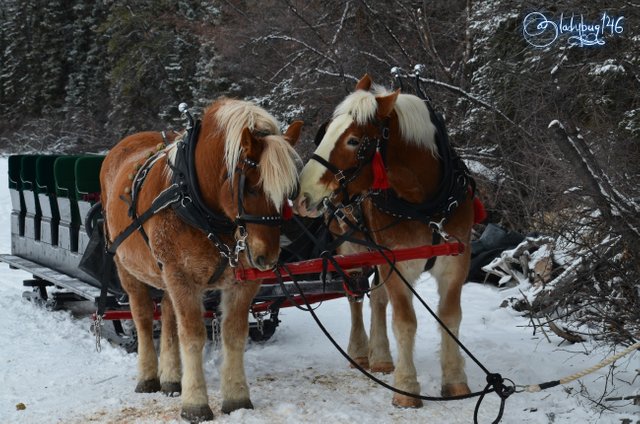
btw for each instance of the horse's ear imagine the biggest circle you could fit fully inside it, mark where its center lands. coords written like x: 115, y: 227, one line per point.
x: 364, y: 83
x: 386, y: 104
x: 293, y: 132
x: 247, y: 141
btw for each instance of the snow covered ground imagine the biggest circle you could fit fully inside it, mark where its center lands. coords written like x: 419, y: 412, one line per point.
x: 48, y: 362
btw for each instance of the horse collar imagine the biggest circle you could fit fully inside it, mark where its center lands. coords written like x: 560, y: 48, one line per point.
x: 192, y: 207
x: 454, y: 186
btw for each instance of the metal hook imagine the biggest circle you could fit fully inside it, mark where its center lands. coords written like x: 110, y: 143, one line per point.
x: 398, y: 73
x: 419, y: 70
x: 184, y: 109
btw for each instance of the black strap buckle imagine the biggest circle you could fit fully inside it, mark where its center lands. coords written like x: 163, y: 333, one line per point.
x: 341, y: 211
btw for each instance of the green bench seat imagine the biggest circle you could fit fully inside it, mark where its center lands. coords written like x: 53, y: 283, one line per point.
x: 65, y: 188
x: 87, y: 180
x: 33, y: 213
x: 18, y: 208
x: 46, y: 185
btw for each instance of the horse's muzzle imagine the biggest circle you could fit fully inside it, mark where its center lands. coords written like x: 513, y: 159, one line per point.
x: 302, y: 207
x: 262, y: 263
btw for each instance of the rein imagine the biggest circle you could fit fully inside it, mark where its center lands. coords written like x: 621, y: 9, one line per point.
x: 503, y: 387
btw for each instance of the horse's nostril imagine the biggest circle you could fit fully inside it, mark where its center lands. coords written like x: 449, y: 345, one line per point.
x: 261, y: 261
x: 306, y: 200
x: 303, y: 201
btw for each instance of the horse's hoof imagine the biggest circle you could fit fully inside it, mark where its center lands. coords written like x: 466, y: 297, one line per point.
x: 362, y: 361
x: 171, y: 388
x: 228, y: 406
x: 402, y: 401
x: 383, y: 367
x: 196, y: 414
x: 454, y: 389
x: 148, y: 386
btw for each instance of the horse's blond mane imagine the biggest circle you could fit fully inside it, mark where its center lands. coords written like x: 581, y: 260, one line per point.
x: 278, y: 163
x: 279, y: 169
x: 413, y: 116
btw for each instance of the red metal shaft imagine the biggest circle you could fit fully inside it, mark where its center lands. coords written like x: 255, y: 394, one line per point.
x: 295, y: 299
x: 356, y: 260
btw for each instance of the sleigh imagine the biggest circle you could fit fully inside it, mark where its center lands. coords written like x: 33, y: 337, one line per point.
x: 56, y: 236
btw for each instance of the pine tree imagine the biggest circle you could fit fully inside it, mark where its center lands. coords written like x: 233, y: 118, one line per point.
x: 152, y: 54
x: 14, y: 73
x: 86, y: 101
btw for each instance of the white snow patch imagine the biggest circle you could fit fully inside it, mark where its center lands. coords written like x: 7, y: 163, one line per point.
x: 609, y: 67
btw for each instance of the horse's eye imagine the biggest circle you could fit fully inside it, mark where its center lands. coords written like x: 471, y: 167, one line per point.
x: 252, y: 190
x: 353, y: 142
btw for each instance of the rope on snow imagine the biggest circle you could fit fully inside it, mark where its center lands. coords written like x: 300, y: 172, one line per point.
x: 532, y: 388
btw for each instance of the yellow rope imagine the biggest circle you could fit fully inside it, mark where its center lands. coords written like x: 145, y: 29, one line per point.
x: 532, y: 388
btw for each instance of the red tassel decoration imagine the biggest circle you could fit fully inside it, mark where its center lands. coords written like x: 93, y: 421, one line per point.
x: 479, y: 212
x: 380, y: 180
x: 287, y: 210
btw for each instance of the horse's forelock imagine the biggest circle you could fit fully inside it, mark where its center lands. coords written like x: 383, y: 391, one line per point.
x: 232, y: 117
x: 413, y: 116
x: 279, y: 161
x: 278, y: 169
x: 360, y: 105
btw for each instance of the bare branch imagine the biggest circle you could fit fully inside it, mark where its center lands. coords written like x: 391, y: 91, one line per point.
x: 378, y: 58
x: 569, y: 336
x: 611, y: 203
x: 335, y: 74
x: 477, y: 100
x: 468, y: 45
x: 344, y: 17
x: 388, y: 30
x: 297, y: 41
x: 427, y: 39
x: 294, y: 10
x: 286, y: 65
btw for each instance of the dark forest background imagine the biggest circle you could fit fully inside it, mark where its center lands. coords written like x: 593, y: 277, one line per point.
x: 77, y: 76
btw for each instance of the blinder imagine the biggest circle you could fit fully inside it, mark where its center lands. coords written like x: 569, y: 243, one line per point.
x: 243, y: 217
x: 321, y: 132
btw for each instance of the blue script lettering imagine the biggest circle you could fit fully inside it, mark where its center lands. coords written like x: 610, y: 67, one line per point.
x: 541, y: 32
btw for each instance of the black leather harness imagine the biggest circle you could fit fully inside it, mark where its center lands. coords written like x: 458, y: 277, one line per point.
x: 453, y: 188
x: 185, y: 197
x: 455, y: 185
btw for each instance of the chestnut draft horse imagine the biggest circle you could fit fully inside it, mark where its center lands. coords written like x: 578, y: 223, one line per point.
x: 374, y: 127
x: 243, y: 169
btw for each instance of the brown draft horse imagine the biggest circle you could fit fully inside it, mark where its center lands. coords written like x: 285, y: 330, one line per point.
x: 413, y: 171
x: 179, y: 258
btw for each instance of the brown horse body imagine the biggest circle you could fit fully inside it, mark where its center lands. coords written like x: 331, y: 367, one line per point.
x: 414, y: 172
x: 181, y: 260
